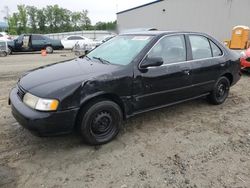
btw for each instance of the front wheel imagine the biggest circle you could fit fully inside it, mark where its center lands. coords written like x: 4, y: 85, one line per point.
x: 100, y: 122
x: 49, y: 49
x: 220, y: 91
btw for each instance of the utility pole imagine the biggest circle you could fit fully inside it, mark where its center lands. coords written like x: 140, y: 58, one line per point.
x: 6, y: 12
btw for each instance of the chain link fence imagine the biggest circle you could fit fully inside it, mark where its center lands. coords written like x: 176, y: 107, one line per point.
x: 89, y: 34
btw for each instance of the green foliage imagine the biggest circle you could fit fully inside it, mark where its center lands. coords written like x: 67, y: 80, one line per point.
x: 13, y: 24
x: 52, y: 19
x: 32, y: 13
x: 106, y: 26
x: 41, y: 20
x: 23, y: 19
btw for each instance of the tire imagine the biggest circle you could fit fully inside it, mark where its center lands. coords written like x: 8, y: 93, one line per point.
x: 3, y: 54
x: 99, y: 122
x: 9, y: 51
x: 49, y: 49
x: 220, y: 91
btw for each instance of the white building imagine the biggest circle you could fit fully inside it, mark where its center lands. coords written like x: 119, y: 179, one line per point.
x: 215, y: 17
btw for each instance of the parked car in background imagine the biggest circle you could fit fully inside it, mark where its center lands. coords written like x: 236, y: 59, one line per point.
x: 245, y: 60
x: 4, y: 36
x: 3, y: 48
x: 70, y: 41
x: 103, y: 39
x: 128, y: 75
x: 34, y: 42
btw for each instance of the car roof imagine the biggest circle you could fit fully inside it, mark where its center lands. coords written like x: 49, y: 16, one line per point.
x: 75, y: 36
x: 155, y: 33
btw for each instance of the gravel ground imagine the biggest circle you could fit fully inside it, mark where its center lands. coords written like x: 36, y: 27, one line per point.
x: 191, y: 145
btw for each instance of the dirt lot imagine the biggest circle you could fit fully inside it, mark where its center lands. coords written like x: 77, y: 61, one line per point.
x: 189, y: 145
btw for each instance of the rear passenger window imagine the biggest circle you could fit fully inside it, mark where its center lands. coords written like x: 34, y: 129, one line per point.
x: 75, y: 38
x: 37, y: 37
x: 215, y: 49
x: 200, y: 47
x: 171, y: 49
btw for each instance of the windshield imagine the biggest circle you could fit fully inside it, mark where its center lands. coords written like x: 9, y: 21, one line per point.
x: 120, y: 50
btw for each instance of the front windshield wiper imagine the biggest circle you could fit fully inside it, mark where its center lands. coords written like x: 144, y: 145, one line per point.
x: 83, y: 56
x: 104, y: 61
x: 87, y: 57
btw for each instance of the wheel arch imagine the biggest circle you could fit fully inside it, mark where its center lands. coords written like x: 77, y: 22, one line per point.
x: 49, y: 45
x: 10, y: 47
x: 103, y: 96
x: 229, y: 76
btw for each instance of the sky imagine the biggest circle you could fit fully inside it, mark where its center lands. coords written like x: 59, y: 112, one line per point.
x: 99, y: 10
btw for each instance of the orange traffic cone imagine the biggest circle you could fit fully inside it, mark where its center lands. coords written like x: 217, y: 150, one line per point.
x: 43, y: 52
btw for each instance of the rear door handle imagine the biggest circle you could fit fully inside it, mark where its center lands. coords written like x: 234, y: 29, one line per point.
x: 187, y: 72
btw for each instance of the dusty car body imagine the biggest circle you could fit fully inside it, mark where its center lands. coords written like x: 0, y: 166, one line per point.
x: 128, y: 75
x: 34, y: 42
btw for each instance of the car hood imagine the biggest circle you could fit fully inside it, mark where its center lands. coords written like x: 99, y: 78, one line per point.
x: 47, y: 81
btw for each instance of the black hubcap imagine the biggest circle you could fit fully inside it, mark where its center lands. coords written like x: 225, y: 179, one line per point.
x: 221, y: 91
x: 102, y: 124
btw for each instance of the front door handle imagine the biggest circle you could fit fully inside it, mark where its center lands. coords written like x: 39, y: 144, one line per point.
x: 222, y: 64
x: 187, y: 72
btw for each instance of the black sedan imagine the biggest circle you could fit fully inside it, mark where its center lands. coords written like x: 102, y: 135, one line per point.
x: 128, y: 75
x: 34, y: 42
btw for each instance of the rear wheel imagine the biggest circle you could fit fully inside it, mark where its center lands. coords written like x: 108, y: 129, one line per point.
x: 49, y: 49
x: 220, y: 91
x: 9, y: 51
x: 3, y: 54
x: 99, y: 122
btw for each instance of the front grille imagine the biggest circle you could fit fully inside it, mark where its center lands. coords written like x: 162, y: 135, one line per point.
x: 20, y: 92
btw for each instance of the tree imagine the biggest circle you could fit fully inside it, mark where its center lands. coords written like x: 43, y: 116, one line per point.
x: 41, y: 20
x: 84, y: 21
x: 48, y: 11
x: 76, y: 20
x: 58, y: 19
x: 13, y: 24
x: 32, y: 13
x: 105, y: 25
x: 52, y: 19
x: 23, y: 19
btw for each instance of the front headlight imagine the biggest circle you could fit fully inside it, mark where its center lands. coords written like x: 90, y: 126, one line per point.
x: 39, y: 103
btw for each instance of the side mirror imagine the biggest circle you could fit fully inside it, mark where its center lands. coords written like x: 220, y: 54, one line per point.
x: 248, y: 59
x: 151, y: 62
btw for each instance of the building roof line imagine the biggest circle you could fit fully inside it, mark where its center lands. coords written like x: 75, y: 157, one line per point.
x: 157, y: 1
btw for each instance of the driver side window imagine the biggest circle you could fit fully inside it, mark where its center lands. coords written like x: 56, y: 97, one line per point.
x: 171, y: 49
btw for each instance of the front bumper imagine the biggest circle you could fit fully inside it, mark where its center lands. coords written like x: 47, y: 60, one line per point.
x: 42, y: 123
x: 244, y: 63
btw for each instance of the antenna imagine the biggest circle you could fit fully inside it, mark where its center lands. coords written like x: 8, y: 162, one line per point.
x: 116, y: 6
x: 6, y: 12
